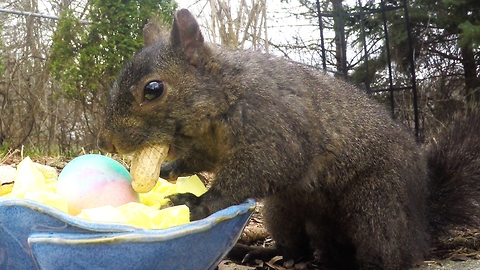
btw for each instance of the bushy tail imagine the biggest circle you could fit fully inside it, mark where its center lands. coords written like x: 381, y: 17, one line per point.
x: 454, y: 168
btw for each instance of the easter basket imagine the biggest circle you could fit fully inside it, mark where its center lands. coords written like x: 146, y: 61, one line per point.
x: 43, y: 235
x: 37, y: 236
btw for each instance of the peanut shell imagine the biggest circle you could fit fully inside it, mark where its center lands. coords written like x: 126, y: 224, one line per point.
x: 145, y: 169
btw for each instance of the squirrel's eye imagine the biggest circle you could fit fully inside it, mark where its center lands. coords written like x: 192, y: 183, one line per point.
x: 153, y: 90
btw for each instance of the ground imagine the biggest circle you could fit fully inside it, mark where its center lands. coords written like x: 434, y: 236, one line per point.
x: 460, y: 251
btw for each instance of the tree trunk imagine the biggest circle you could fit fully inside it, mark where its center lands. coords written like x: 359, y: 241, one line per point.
x: 340, y: 43
x: 472, y: 81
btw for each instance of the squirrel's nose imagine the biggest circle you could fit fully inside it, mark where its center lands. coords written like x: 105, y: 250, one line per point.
x: 105, y: 145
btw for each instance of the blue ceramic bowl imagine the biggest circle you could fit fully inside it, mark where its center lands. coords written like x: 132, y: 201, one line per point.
x: 36, y: 236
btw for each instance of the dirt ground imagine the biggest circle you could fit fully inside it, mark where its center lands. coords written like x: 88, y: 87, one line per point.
x: 460, y: 251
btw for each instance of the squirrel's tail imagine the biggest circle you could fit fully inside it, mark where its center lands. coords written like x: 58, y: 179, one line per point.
x: 454, y: 172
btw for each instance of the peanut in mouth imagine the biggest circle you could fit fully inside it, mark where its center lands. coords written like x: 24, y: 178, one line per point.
x: 146, y: 164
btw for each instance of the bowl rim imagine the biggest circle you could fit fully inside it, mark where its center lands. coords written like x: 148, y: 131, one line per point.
x: 130, y: 232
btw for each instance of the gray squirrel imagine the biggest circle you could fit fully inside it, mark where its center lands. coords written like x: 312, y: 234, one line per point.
x: 336, y: 173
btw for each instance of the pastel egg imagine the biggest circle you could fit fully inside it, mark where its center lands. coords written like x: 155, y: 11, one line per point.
x: 91, y: 181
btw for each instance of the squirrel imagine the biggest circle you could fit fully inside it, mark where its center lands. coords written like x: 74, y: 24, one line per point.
x: 336, y: 173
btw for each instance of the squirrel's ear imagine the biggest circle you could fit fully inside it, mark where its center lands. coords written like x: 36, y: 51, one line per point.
x: 186, y: 35
x: 151, y: 33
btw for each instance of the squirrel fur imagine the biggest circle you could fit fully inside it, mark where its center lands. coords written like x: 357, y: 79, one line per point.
x: 336, y: 173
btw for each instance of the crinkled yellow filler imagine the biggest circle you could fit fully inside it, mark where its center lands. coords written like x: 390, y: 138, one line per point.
x: 37, y: 182
x: 6, y: 188
x: 7, y: 176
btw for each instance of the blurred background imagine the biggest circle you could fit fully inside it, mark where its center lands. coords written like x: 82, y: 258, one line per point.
x: 58, y: 58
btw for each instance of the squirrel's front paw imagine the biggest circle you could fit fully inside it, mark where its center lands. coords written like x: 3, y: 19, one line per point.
x: 197, y: 210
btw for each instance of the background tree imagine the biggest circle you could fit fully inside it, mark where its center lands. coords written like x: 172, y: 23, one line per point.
x: 235, y: 24
x: 445, y: 40
x: 447, y: 54
x: 23, y: 84
x: 2, y: 95
x: 85, y: 58
x: 57, y: 73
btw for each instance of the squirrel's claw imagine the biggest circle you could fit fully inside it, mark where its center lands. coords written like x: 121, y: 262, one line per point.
x: 197, y: 210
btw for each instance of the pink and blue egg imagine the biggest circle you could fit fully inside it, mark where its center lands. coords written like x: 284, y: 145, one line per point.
x: 92, y: 180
